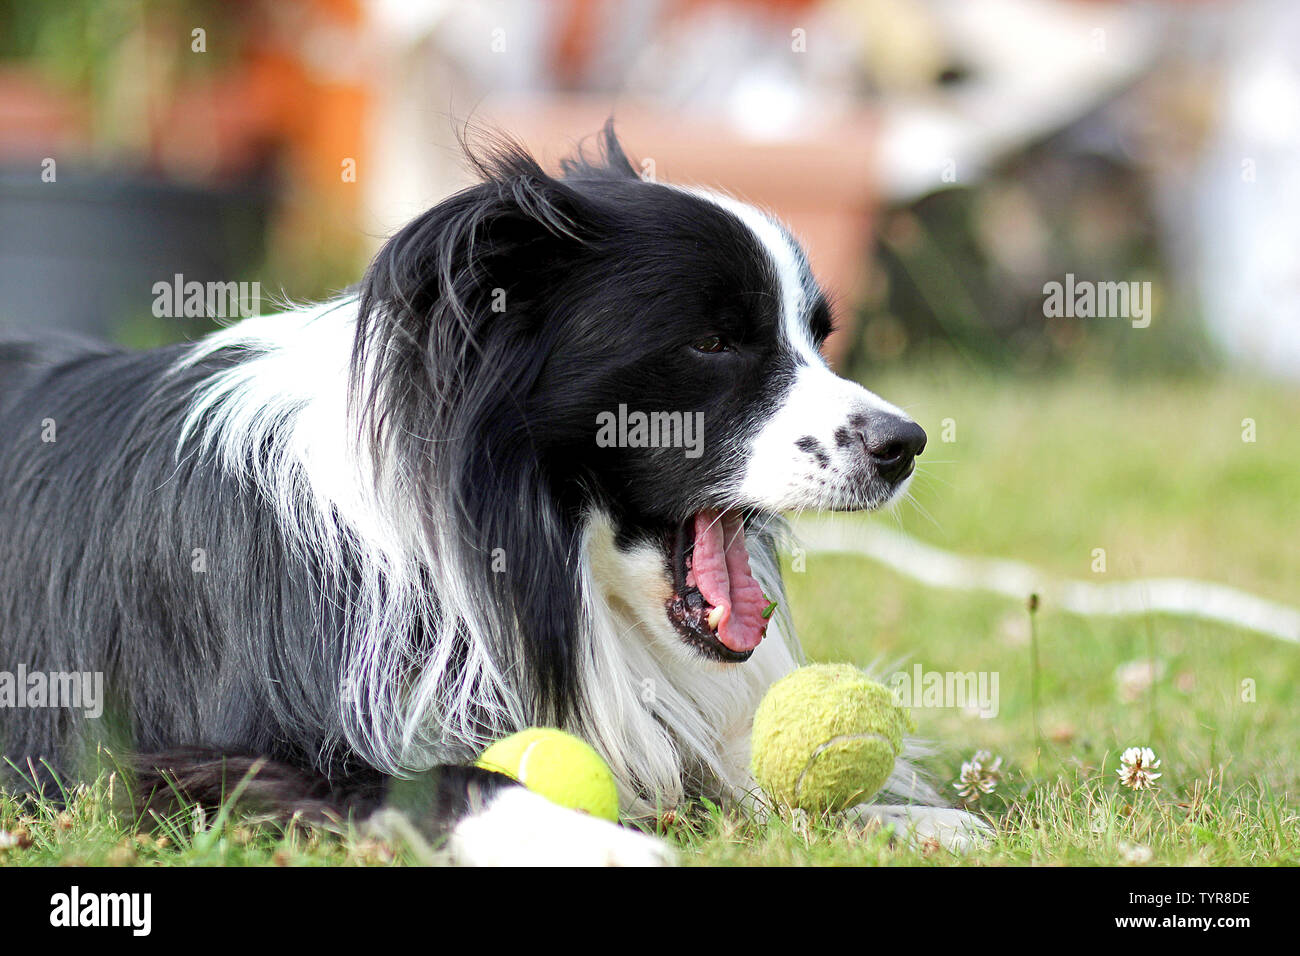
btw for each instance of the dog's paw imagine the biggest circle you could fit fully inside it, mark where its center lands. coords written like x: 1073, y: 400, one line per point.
x: 519, y: 828
x: 945, y: 827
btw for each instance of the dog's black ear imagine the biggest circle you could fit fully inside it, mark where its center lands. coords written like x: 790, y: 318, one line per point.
x: 449, y: 344
x: 526, y: 193
x: 610, y: 162
x: 437, y: 285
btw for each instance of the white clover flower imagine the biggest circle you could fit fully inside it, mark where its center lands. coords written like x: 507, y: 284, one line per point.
x: 980, y: 775
x: 1136, y: 853
x: 1137, y: 768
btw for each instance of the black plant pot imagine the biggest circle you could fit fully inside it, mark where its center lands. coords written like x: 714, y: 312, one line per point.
x: 82, y: 254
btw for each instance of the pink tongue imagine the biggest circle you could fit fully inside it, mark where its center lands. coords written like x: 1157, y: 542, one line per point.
x: 720, y: 569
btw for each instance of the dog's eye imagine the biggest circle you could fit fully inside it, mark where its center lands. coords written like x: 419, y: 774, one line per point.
x: 711, y: 344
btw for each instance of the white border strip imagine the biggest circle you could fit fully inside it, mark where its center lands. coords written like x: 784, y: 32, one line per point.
x: 943, y: 569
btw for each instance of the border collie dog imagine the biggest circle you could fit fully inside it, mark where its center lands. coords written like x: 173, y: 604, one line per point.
x: 355, y: 542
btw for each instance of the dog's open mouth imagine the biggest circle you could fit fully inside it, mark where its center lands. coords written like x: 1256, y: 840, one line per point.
x: 717, y: 605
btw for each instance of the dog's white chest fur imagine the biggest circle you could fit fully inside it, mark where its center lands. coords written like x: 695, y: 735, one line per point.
x: 658, y: 713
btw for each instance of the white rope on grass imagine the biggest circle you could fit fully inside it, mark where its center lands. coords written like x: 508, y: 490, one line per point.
x: 943, y: 569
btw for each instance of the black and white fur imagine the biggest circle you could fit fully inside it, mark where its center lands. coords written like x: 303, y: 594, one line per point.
x: 411, y: 544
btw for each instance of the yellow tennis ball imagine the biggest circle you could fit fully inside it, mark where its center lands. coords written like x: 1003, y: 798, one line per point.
x: 826, y: 736
x: 559, y: 767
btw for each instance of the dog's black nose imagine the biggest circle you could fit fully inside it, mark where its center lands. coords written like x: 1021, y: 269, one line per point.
x: 893, y: 443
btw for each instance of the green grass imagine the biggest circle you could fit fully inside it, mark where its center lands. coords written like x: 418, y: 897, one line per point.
x: 1156, y: 473
x: 1041, y: 471
x: 90, y: 832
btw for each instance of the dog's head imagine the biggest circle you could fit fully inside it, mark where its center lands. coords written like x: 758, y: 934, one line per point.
x: 597, y: 344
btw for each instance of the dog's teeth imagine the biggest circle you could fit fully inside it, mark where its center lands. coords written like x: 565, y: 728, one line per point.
x: 715, y: 616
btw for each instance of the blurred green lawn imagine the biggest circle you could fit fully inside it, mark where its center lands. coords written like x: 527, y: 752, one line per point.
x: 1042, y: 471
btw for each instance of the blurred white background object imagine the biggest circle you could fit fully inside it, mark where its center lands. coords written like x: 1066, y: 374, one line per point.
x: 1034, y: 67
x: 1247, y: 207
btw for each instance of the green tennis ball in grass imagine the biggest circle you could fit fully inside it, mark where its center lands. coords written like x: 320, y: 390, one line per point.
x: 558, y: 766
x: 826, y: 737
